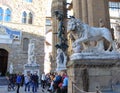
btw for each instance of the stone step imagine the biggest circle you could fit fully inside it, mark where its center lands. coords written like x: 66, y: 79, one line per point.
x: 109, y: 92
x: 3, y: 81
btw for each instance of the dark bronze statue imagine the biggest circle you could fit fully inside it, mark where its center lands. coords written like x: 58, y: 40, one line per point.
x: 61, y: 31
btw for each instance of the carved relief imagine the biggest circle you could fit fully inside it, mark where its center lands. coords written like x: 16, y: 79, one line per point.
x: 2, y: 31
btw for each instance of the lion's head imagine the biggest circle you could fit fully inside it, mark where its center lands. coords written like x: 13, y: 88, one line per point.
x: 74, y: 25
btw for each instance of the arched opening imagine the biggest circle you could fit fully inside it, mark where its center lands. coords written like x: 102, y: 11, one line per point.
x: 3, y: 61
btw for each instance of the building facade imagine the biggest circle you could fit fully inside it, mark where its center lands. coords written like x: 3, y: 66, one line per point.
x: 21, y: 21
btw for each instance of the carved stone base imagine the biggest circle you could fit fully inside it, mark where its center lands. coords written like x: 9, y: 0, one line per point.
x: 89, y: 70
x: 31, y: 68
x: 61, y: 69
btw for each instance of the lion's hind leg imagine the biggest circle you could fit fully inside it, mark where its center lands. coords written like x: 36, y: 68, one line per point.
x: 114, y: 46
x: 107, y: 35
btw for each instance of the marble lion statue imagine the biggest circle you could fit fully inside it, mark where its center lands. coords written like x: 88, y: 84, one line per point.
x: 84, y: 33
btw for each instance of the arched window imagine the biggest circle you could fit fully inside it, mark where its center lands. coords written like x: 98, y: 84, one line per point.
x: 25, y: 44
x: 7, y: 15
x: 30, y: 18
x: 1, y: 14
x: 24, y: 17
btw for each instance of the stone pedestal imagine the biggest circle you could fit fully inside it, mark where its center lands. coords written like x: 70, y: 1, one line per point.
x: 31, y: 68
x: 61, y: 69
x: 90, y: 70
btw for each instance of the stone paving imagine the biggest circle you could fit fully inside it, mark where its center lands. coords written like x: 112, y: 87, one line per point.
x: 3, y: 89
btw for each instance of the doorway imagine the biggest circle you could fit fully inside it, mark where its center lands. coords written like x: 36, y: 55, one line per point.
x: 3, y: 61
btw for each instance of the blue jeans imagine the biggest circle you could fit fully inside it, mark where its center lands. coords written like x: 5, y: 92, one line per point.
x: 34, y: 87
x: 27, y: 86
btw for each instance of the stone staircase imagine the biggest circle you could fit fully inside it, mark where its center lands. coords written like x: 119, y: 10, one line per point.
x: 3, y: 81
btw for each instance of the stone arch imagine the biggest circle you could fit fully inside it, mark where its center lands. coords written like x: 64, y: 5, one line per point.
x: 7, y: 48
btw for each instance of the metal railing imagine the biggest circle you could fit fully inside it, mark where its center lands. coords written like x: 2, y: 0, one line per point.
x: 81, y: 91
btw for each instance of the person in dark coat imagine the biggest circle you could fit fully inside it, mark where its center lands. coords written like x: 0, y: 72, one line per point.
x: 34, y: 79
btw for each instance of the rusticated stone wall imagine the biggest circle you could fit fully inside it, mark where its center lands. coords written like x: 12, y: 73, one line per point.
x: 31, y: 31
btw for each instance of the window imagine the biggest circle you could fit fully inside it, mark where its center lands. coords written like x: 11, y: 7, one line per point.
x: 114, y: 5
x: 30, y: 18
x: 1, y: 14
x: 24, y: 17
x: 7, y: 15
x: 48, y: 22
x: 114, y: 8
x: 25, y: 44
x: 27, y: 17
x: 28, y: 1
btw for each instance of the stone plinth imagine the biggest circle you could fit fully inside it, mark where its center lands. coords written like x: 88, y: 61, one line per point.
x: 31, y: 68
x: 91, y: 70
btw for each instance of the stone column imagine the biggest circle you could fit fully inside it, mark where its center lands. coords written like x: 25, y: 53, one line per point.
x: 61, y: 6
x: 98, y: 9
x: 91, y: 11
x: 77, y: 8
x: 84, y: 11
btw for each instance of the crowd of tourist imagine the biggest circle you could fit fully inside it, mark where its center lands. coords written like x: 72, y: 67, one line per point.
x: 56, y: 82
x: 52, y: 82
